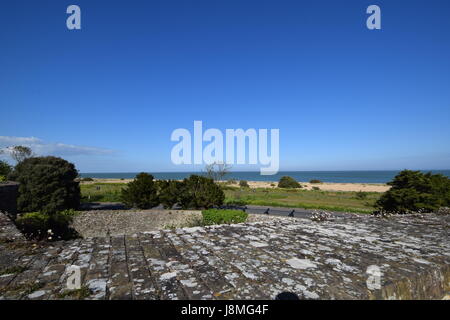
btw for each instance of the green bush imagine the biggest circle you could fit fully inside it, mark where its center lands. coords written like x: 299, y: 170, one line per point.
x: 361, y: 195
x: 87, y: 179
x: 169, y: 192
x: 141, y: 192
x: 2, y: 178
x: 43, y: 226
x: 216, y: 216
x: 200, y: 193
x: 47, y: 184
x: 244, y: 184
x: 315, y: 181
x: 288, y: 182
x: 5, y: 168
x: 414, y: 191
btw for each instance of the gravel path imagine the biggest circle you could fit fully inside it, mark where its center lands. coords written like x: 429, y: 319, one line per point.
x: 98, y: 223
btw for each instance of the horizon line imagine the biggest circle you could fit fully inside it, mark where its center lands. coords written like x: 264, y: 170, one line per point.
x: 369, y: 170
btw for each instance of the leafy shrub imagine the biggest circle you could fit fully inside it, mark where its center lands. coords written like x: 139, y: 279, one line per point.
x: 200, y: 193
x: 2, y: 178
x: 169, y: 192
x: 415, y: 191
x: 316, y: 188
x: 87, y: 179
x: 216, y: 216
x: 288, y: 182
x: 141, y: 192
x: 5, y: 168
x: 361, y: 195
x: 315, y: 181
x: 244, y: 184
x: 47, y: 184
x: 43, y: 226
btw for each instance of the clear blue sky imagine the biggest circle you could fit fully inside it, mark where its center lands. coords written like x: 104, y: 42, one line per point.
x: 108, y: 97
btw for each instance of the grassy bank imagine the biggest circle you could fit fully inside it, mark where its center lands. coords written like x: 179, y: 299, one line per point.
x: 308, y: 199
x: 101, y: 192
x: 294, y: 198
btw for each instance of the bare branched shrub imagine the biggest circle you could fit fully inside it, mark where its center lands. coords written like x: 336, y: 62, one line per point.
x: 217, y: 170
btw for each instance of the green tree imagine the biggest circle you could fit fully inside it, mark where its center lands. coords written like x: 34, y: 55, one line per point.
x: 5, y: 168
x: 169, y: 192
x: 47, y: 184
x: 200, y: 193
x: 141, y: 192
x: 414, y: 190
x: 20, y: 153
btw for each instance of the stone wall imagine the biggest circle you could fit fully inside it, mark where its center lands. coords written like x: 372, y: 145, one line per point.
x: 8, y: 198
x: 8, y: 231
x: 349, y: 257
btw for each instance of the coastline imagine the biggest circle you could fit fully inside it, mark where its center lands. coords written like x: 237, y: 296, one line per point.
x: 325, y: 186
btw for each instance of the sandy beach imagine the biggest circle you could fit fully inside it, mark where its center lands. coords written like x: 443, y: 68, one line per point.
x: 326, y: 186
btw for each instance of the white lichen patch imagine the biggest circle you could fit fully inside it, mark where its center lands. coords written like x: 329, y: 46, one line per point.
x: 37, y: 294
x: 257, y: 244
x: 301, y: 263
x: 190, y: 283
x: 168, y: 276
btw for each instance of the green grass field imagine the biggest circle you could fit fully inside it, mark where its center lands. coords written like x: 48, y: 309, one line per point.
x: 294, y: 198
x: 308, y: 199
x: 101, y: 192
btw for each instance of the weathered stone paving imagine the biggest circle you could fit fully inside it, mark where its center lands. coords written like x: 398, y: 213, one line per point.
x: 315, y: 260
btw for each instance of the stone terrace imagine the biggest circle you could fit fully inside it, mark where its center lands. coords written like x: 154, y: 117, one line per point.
x: 315, y: 260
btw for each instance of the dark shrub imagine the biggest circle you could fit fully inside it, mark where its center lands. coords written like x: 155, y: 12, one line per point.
x: 215, y: 216
x: 315, y: 181
x: 51, y: 227
x: 5, y: 168
x: 414, y: 191
x: 288, y: 182
x: 141, y: 192
x: 244, y: 184
x: 87, y: 179
x: 169, y: 192
x: 47, y: 184
x: 200, y: 193
x: 361, y: 195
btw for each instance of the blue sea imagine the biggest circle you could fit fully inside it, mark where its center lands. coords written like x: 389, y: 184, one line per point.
x: 303, y: 176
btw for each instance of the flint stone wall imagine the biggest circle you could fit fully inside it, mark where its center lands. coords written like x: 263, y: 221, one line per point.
x: 351, y: 257
x: 8, y: 231
x: 8, y: 198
